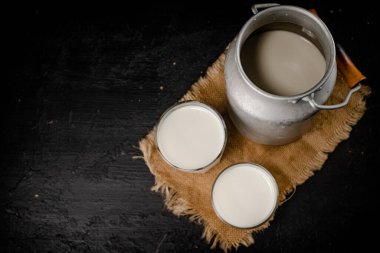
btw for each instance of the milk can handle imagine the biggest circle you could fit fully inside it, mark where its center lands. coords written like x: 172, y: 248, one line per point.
x: 255, y: 8
x: 314, y: 104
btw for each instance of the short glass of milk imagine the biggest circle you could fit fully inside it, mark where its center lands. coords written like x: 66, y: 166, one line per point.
x: 191, y: 136
x: 245, y: 195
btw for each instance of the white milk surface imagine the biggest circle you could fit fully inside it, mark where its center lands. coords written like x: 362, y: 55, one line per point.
x: 191, y: 137
x: 245, y: 195
x: 282, y: 62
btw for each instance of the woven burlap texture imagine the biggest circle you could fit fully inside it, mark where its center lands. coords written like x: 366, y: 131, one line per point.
x: 190, y: 193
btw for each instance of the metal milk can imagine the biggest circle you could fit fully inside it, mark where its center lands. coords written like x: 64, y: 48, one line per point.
x: 268, y: 118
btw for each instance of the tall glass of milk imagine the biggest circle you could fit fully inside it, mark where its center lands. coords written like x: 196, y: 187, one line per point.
x: 245, y: 195
x: 191, y: 136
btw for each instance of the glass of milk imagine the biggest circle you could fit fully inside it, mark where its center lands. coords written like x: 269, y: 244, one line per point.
x: 245, y: 195
x: 191, y: 136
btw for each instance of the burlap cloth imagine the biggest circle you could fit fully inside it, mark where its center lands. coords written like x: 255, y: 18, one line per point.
x: 190, y: 194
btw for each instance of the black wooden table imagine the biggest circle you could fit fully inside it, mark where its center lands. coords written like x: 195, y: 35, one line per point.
x: 84, y: 84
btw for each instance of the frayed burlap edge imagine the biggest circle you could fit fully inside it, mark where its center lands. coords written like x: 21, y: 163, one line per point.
x: 181, y: 207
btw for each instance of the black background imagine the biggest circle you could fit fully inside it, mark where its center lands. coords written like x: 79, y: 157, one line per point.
x: 82, y: 86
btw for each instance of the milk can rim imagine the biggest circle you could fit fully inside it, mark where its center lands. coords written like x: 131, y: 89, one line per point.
x: 330, y: 65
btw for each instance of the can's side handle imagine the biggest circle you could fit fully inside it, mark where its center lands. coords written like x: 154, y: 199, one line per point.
x: 350, y: 73
x: 314, y: 104
x: 256, y: 7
